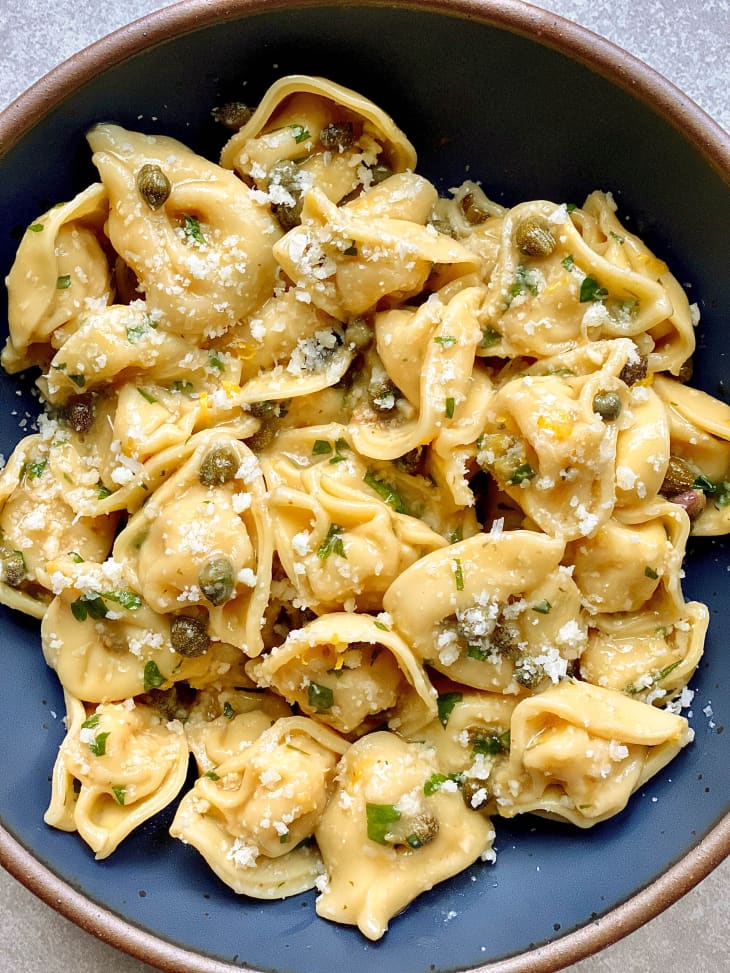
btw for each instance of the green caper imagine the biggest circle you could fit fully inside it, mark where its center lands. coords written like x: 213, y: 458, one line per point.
x: 189, y: 636
x: 262, y: 438
x: 634, y: 371
x: 474, y: 793
x: 686, y: 371
x: 383, y: 394
x: 216, y: 581
x: 79, y: 414
x: 219, y: 465
x: 607, y: 405
x: 534, y: 237
x: 380, y: 173
x: 358, y: 334
x: 286, y: 174
x: 472, y: 209
x: 12, y: 567
x: 267, y: 409
x: 528, y: 673
x: 442, y: 226
x: 416, y: 830
x: 678, y: 478
x: 153, y: 185
x: 337, y: 136
x: 233, y: 115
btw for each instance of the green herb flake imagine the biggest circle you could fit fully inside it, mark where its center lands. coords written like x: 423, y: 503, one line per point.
x: 617, y: 236
x: 490, y: 338
x: 90, y: 605
x: 386, y: 492
x: 379, y: 818
x: 456, y: 535
x: 300, y: 133
x: 102, y: 492
x: 445, y: 705
x: 320, y: 698
x: 139, y: 330
x: 383, y: 628
x: 521, y: 474
x: 35, y: 227
x: 704, y: 483
x: 542, y: 607
x: 568, y: 262
x: 651, y: 573
x: 477, y: 652
x: 120, y: 793
x: 321, y: 447
x: 98, y: 744
x: 341, y: 446
x: 591, y: 290
x: 153, y: 678
x: 76, y: 557
x: 182, y: 386
x: 332, y: 544
x: 191, y: 229
x: 33, y: 469
x: 216, y: 361
x: 491, y: 744
x: 147, y: 396
x: 91, y: 723
x: 127, y: 599
x: 458, y: 574
x: 570, y: 207
x: 434, y: 783
x: 449, y: 410
x: 211, y: 775
x: 78, y: 380
x: 445, y: 340
x: 63, y: 282
x: 228, y: 710
x: 722, y: 494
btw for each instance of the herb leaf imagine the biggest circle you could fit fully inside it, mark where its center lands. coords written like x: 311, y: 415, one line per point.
x: 320, y: 698
x: 332, y: 544
x: 98, y: 744
x: 119, y: 791
x: 191, y: 229
x: 591, y: 290
x: 386, y: 491
x: 153, y: 678
x: 379, y: 818
x: 63, y: 282
x: 445, y: 705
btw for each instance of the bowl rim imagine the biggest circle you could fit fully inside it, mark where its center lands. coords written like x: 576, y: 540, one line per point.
x: 572, y: 40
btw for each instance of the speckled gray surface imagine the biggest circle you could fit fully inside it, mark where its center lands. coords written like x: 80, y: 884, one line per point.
x: 687, y: 42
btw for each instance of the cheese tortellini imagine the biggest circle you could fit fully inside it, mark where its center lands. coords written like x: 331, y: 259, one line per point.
x: 363, y: 507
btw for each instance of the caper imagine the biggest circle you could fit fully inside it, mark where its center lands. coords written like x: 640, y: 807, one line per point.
x: 79, y: 414
x: 262, y: 438
x: 337, y: 136
x: 380, y: 173
x: 267, y: 409
x: 474, y: 793
x: 234, y: 114
x: 153, y: 185
x: 473, y: 211
x: 693, y: 501
x: 686, y: 371
x: 219, y: 465
x: 528, y: 673
x: 607, y: 405
x: 12, y: 567
x: 285, y: 173
x: 534, y: 237
x: 678, y: 478
x: 216, y: 581
x: 189, y: 636
x: 634, y: 371
x: 412, y: 461
x: 417, y: 830
x: 383, y: 394
x: 358, y: 334
x: 442, y: 226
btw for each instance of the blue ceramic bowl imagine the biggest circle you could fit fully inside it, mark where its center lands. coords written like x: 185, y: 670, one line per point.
x: 537, y: 108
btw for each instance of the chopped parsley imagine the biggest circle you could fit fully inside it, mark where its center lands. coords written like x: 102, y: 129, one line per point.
x: 120, y: 792
x: 458, y: 574
x: 35, y: 227
x: 341, y: 446
x: 332, y: 544
x: 187, y: 388
x: 98, y: 744
x: 445, y: 705
x: 127, y: 599
x: 449, y: 410
x: 153, y: 678
x: 216, y: 361
x: 321, y: 447
x: 228, y: 710
x: 147, y: 396
x: 522, y: 473
x: 63, y: 282
x: 490, y: 338
x: 33, y: 469
x: 383, y: 628
x: 102, y: 492
x: 379, y: 818
x: 300, y: 133
x: 591, y: 290
x: 650, y: 573
x: 320, y: 698
x: 91, y: 723
x: 704, y: 483
x: 211, y: 775
x: 135, y: 332
x: 191, y: 229
x: 436, y: 781
x: 543, y: 607
x: 568, y: 262
x: 490, y: 744
x: 641, y: 684
x: 445, y: 340
x: 78, y: 380
x: 90, y: 605
x: 722, y: 494
x: 386, y: 491
x: 524, y: 281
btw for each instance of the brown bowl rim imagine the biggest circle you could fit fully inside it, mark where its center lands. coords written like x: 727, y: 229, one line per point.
x: 574, y: 41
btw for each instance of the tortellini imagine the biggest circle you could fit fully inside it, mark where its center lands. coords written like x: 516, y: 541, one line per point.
x: 365, y: 506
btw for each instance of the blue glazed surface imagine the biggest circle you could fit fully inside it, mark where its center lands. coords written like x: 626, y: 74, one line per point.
x: 528, y: 122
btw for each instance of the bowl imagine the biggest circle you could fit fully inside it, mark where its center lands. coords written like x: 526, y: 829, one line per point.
x: 533, y: 107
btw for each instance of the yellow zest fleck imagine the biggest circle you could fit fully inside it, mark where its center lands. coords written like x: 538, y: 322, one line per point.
x: 231, y: 389
x: 244, y: 351
x: 646, y: 382
x: 560, y: 282
x: 653, y: 264
x: 560, y: 423
x: 203, y: 400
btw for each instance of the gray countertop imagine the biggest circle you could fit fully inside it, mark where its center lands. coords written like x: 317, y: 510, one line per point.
x: 687, y: 42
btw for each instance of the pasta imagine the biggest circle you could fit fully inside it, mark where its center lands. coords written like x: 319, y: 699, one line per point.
x: 374, y: 502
